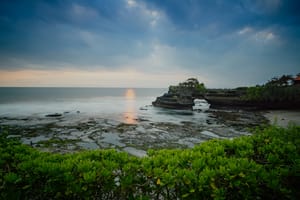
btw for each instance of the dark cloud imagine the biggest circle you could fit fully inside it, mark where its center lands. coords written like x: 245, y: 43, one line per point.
x: 216, y: 36
x: 71, y: 32
x: 228, y: 16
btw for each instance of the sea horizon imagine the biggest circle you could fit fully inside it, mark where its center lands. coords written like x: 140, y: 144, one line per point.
x: 112, y: 87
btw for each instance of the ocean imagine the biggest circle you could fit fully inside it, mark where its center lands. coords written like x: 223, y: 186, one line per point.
x: 121, y: 104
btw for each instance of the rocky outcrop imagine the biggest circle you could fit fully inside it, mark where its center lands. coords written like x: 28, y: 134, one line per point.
x: 239, y: 103
x: 235, y: 99
x: 227, y: 98
x: 181, y: 96
x: 174, y: 101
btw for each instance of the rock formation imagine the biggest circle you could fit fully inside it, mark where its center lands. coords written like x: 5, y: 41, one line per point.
x: 181, y: 96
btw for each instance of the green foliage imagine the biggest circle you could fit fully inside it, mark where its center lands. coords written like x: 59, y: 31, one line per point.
x: 200, y: 88
x: 276, y: 90
x: 190, y: 86
x: 273, y: 93
x: 265, y: 165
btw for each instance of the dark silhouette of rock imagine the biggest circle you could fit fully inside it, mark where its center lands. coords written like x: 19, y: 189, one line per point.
x: 181, y: 96
x: 235, y: 99
x: 54, y: 115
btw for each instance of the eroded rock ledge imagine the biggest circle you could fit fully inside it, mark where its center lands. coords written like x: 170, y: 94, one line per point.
x: 181, y: 96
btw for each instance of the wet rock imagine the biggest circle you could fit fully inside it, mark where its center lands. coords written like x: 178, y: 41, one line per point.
x: 174, y: 102
x: 54, y: 115
x: 181, y: 96
x: 238, y: 119
x: 210, y: 134
x: 88, y: 145
x: 142, y: 120
x: 111, y: 139
x: 122, y: 127
x: 178, y: 131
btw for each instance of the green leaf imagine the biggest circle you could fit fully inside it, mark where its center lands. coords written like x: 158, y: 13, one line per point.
x: 12, y: 177
x: 241, y: 174
x: 185, y: 195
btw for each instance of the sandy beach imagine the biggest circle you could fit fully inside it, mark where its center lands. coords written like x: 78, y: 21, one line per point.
x: 283, y: 117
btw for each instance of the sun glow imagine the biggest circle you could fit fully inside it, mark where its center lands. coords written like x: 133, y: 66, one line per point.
x: 81, y: 78
x: 130, y: 94
x: 130, y: 112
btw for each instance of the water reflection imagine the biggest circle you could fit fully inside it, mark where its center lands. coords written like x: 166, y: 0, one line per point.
x: 130, y: 94
x: 129, y: 116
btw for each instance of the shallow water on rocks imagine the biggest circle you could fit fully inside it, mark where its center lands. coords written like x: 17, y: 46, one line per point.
x: 126, y: 123
x: 71, y: 133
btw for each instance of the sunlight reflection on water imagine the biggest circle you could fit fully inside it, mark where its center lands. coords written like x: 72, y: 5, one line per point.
x: 130, y: 113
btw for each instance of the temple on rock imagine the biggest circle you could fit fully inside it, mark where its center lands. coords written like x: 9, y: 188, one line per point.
x: 181, y: 96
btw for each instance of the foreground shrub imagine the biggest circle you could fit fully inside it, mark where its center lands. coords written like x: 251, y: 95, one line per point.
x: 265, y: 165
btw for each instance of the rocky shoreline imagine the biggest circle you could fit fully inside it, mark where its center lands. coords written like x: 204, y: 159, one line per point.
x: 64, y: 134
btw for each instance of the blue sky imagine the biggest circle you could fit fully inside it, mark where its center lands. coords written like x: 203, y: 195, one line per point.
x: 147, y: 43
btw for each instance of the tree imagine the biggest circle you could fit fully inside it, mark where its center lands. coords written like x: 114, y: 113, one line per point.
x: 282, y: 81
x: 190, y: 87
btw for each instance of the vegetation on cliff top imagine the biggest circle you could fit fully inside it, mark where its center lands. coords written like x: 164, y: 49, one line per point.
x: 265, y: 165
x: 282, y: 89
x: 190, y: 87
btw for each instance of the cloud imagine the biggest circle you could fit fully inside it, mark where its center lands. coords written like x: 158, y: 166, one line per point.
x: 150, y: 16
x: 245, y: 30
x: 262, y: 36
x: 188, y: 37
x: 265, y: 36
x: 82, y: 12
x: 131, y: 3
x: 262, y: 6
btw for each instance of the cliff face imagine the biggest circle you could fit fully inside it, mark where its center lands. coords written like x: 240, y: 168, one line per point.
x: 253, y: 98
x: 174, y: 102
x: 181, y: 96
x: 248, y: 98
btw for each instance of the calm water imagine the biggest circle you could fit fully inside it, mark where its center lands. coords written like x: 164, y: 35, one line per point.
x: 122, y: 104
x: 16, y: 95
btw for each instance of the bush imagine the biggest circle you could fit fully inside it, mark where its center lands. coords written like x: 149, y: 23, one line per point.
x: 265, y: 165
x: 271, y: 93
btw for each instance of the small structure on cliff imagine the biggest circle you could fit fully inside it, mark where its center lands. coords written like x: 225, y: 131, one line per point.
x: 182, y: 95
x: 297, y: 80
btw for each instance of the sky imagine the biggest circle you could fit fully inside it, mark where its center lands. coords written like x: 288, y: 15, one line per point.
x: 147, y: 43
